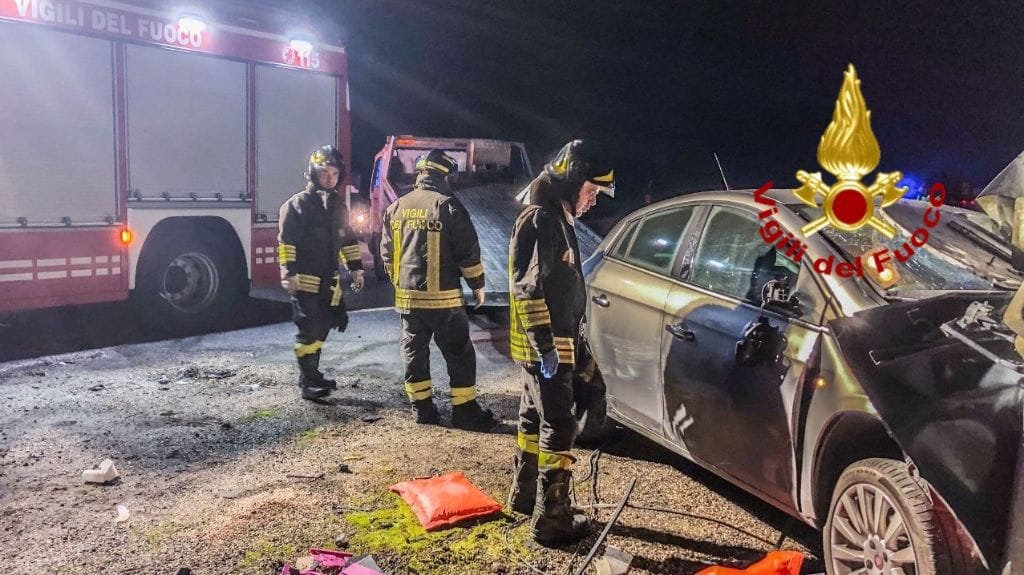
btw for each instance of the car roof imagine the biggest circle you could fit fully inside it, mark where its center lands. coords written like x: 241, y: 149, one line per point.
x: 746, y: 197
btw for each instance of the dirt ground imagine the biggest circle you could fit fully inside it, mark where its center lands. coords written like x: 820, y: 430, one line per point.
x: 224, y: 469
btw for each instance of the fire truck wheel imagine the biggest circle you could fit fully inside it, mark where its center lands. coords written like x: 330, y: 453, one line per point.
x: 190, y: 282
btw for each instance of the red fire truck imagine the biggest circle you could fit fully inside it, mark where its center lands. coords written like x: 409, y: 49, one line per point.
x: 146, y: 152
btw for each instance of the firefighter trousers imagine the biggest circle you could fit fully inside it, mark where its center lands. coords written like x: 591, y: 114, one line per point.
x: 315, y: 317
x: 547, y: 426
x: 449, y: 328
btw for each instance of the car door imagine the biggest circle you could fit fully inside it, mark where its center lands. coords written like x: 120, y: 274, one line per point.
x: 729, y: 407
x: 624, y: 312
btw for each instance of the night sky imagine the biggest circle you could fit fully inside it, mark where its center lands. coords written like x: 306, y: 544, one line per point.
x: 664, y: 84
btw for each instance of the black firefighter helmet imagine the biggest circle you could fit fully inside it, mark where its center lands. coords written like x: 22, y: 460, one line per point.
x: 322, y: 157
x: 578, y: 162
x: 437, y: 162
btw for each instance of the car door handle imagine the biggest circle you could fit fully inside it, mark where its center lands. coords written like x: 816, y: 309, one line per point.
x: 680, y: 332
x: 601, y: 300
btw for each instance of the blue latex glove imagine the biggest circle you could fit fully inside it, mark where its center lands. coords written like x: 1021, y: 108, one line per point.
x: 549, y: 364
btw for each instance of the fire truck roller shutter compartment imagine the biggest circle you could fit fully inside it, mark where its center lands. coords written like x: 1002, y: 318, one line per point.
x: 187, y: 122
x: 296, y: 112
x: 57, y: 126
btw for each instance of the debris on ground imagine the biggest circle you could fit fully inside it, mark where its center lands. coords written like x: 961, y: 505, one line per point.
x: 775, y: 563
x: 344, y: 468
x: 371, y: 418
x: 445, y: 500
x: 615, y: 561
x: 122, y: 513
x: 332, y: 562
x: 105, y: 473
x: 97, y: 387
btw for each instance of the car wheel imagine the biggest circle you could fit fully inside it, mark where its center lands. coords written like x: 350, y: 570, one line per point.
x: 881, y: 521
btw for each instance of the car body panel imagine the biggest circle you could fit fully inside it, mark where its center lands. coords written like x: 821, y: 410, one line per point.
x: 953, y: 412
x: 956, y: 414
x: 631, y: 349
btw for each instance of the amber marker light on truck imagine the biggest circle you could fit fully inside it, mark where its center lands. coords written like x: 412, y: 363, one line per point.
x: 125, y: 236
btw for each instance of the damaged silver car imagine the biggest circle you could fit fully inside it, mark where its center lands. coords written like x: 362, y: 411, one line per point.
x: 861, y: 383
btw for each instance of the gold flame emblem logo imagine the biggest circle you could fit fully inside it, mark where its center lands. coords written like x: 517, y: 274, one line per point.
x: 849, y: 151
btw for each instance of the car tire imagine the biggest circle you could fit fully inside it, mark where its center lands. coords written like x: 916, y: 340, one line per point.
x: 881, y: 518
x: 188, y: 281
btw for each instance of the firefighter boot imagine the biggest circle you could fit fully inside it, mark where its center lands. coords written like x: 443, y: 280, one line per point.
x: 471, y: 417
x: 426, y: 412
x: 311, y: 380
x: 321, y: 380
x: 554, y: 521
x: 523, y: 495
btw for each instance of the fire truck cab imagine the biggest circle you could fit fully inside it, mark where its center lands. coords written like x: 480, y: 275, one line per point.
x: 481, y: 163
x: 491, y: 174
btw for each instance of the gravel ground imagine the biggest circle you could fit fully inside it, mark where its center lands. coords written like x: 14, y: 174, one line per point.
x: 225, y: 470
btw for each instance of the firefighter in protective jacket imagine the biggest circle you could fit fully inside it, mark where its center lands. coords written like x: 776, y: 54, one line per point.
x: 548, y: 302
x: 314, y: 239
x: 428, y: 245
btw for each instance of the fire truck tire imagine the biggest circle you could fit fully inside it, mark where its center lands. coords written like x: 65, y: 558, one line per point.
x: 378, y: 262
x: 188, y: 283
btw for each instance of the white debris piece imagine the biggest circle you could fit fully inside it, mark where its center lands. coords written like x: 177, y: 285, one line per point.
x: 614, y: 562
x: 106, y: 472
x: 122, y: 513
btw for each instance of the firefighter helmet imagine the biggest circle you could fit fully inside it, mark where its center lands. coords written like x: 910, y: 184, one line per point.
x: 578, y: 162
x: 322, y: 157
x: 437, y: 162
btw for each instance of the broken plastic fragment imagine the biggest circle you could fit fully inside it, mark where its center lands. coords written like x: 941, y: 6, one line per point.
x: 122, y: 513
x: 106, y: 472
x: 614, y: 562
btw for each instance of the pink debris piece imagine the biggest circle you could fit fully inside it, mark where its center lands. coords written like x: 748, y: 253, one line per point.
x: 330, y: 557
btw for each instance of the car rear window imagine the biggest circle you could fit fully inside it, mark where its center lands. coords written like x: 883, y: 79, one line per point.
x: 656, y: 240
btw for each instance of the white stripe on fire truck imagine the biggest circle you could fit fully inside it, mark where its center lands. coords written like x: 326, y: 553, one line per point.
x: 51, y: 275
x: 259, y: 260
x: 102, y: 259
x: 78, y: 261
x: 15, y: 277
x: 116, y: 271
x: 115, y: 259
x: 102, y: 271
x: 81, y: 273
x: 53, y: 262
x: 15, y: 264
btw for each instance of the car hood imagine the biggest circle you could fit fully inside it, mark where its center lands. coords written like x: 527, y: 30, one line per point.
x: 953, y: 400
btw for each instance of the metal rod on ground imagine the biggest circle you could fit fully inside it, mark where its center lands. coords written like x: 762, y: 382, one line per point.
x: 607, y: 528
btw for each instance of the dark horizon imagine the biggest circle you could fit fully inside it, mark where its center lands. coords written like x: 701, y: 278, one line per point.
x: 662, y: 85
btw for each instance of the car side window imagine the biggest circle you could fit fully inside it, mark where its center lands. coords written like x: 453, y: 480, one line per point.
x: 733, y: 260
x: 657, y: 239
x: 625, y: 239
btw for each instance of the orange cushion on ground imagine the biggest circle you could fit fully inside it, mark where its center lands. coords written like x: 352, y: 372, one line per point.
x: 446, y: 500
x: 775, y: 563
